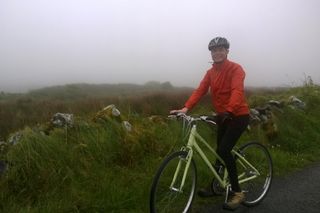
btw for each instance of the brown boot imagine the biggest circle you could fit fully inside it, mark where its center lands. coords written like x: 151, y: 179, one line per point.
x: 234, y: 201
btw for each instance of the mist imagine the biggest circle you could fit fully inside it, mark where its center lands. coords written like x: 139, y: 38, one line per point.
x: 45, y: 43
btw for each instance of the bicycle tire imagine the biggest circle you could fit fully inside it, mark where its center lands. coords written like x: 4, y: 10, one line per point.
x: 164, y: 199
x: 256, y: 189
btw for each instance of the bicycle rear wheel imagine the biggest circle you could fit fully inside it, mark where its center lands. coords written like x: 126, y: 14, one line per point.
x: 258, y: 156
x: 167, y: 198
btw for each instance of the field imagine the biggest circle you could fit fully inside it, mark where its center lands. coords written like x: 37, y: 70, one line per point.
x: 97, y: 166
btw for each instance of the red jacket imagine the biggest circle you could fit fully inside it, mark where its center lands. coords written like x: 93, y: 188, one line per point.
x: 226, y: 87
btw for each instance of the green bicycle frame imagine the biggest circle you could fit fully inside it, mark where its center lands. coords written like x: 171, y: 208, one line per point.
x: 192, y: 144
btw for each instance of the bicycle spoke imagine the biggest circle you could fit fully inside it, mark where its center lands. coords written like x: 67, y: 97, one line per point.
x: 256, y: 188
x: 166, y: 199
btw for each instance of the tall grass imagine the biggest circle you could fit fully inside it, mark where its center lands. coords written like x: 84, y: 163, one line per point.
x: 99, y: 167
x: 89, y: 168
x: 30, y: 110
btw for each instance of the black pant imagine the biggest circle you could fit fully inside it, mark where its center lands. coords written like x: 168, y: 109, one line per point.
x: 228, y: 134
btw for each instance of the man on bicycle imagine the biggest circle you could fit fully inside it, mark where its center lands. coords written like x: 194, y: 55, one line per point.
x: 226, y: 82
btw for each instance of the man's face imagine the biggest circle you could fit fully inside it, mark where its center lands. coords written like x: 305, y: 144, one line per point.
x: 219, y: 54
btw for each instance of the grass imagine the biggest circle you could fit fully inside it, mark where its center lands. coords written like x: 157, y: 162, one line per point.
x: 99, y: 167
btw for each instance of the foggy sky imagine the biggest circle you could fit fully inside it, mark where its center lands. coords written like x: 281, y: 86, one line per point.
x: 55, y: 42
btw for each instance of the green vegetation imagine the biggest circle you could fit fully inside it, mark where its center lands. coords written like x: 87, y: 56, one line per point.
x: 99, y: 167
x: 38, y: 106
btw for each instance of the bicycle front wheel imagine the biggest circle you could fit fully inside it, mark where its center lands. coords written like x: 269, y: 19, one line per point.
x: 167, y: 193
x: 260, y: 178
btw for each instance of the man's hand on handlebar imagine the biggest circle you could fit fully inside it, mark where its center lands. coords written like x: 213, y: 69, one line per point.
x: 183, y: 110
x: 225, y: 117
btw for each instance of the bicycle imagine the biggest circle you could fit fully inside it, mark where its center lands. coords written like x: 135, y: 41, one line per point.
x: 174, y: 184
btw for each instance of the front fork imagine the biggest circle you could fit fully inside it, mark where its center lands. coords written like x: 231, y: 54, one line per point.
x: 182, y: 168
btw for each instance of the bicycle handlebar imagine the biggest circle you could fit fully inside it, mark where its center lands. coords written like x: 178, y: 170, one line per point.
x: 191, y: 119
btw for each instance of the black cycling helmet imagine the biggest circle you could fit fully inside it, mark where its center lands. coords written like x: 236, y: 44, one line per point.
x: 219, y: 42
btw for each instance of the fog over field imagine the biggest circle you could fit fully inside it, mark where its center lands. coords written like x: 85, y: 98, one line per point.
x: 45, y: 43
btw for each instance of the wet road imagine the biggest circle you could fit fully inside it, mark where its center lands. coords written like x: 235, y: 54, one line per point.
x: 297, y: 193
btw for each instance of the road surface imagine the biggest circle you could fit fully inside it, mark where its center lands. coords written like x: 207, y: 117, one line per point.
x: 297, y: 193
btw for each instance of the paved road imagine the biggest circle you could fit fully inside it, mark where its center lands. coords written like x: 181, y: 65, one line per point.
x: 297, y: 193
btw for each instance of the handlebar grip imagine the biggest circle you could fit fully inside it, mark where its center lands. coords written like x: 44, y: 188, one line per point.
x: 213, y: 118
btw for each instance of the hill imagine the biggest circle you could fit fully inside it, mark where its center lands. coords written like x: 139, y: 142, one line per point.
x: 37, y: 106
x: 78, y: 91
